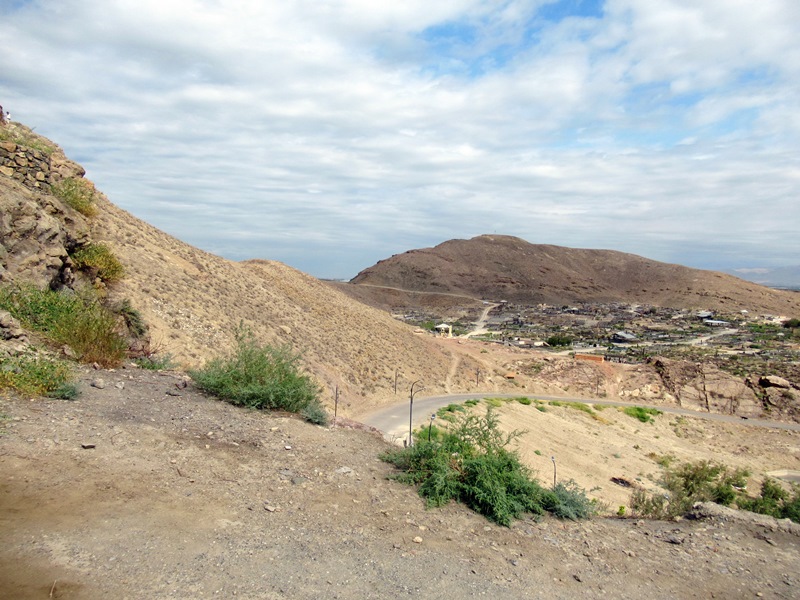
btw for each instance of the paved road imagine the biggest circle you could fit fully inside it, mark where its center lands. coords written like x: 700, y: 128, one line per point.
x: 393, y: 420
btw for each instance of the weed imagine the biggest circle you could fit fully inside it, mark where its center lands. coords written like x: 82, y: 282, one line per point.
x: 133, y: 319
x: 99, y: 261
x: 29, y: 141
x: 34, y: 375
x: 155, y: 362
x: 78, y: 193
x: 263, y: 377
x: 66, y: 391
x: 524, y: 401
x: 664, y: 460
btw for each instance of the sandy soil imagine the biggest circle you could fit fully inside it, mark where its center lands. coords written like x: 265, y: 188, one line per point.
x: 145, y: 489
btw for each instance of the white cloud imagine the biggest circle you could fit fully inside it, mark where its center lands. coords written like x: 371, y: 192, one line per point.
x: 330, y: 134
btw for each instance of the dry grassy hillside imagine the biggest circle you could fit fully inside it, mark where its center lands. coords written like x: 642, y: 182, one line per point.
x: 510, y: 268
x: 193, y: 302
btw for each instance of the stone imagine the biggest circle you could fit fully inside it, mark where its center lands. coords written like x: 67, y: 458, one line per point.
x: 98, y: 383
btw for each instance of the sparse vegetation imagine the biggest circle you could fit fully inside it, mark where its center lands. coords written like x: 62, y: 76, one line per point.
x: 705, y: 481
x: 99, y: 261
x: 78, y: 193
x: 470, y: 462
x: 262, y: 376
x: 34, y: 142
x: 155, y: 362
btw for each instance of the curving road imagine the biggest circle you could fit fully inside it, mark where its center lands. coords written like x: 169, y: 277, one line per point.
x: 393, y: 420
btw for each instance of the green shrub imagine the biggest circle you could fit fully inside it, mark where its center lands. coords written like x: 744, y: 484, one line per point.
x: 99, y: 261
x: 77, y: 193
x: 524, y: 401
x: 66, y: 318
x: 645, y: 415
x: 35, y: 375
x: 263, y: 377
x: 470, y: 463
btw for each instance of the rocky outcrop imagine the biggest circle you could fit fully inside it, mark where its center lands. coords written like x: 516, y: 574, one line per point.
x: 704, y: 387
x: 29, y: 166
x: 37, y: 235
x: 38, y: 232
x: 13, y: 339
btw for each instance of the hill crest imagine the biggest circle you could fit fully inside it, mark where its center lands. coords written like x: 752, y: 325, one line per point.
x: 500, y: 267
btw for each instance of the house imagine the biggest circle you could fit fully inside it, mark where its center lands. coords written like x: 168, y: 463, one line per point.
x: 623, y: 337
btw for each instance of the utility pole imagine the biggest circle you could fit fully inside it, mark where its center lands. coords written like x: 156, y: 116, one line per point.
x: 411, y: 411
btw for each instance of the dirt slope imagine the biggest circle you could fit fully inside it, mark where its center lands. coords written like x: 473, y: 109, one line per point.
x: 504, y: 267
x: 136, y: 492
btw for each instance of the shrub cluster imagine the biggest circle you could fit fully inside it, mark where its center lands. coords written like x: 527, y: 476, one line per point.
x: 470, y: 463
x: 99, y: 261
x: 35, y: 375
x: 78, y: 193
x: 264, y: 377
x: 645, y: 415
x: 705, y: 481
x: 78, y: 321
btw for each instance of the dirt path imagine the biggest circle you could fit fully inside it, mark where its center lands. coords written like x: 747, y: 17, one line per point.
x: 145, y: 489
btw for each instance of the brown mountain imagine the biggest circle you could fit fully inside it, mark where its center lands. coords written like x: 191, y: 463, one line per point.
x: 499, y: 267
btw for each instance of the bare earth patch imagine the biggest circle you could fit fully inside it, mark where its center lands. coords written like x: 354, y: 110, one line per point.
x: 145, y: 489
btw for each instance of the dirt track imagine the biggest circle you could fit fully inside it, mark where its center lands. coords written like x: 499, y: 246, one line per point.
x: 176, y: 495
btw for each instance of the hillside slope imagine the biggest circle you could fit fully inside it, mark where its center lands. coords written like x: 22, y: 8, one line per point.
x: 504, y: 267
x: 194, y: 301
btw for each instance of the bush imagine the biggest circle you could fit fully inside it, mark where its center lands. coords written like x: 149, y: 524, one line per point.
x: 99, y: 261
x: 703, y: 481
x: 470, y: 463
x: 77, y: 193
x: 34, y: 375
x: 645, y: 415
x: 559, y: 340
x: 263, y: 377
x: 65, y: 318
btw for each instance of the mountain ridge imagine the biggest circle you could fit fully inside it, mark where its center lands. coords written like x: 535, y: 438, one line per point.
x: 502, y: 267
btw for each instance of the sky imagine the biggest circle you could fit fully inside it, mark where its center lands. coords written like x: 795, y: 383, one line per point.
x: 331, y: 134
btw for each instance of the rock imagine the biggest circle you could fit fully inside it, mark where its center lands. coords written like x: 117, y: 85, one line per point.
x: 98, y: 383
x: 344, y: 471
x: 768, y: 381
x: 87, y: 446
x: 417, y: 540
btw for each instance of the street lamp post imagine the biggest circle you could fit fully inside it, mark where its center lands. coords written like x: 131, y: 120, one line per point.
x: 553, y: 458
x: 430, y: 426
x: 411, y: 410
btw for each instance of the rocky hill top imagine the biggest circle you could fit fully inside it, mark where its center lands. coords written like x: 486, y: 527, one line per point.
x: 499, y: 267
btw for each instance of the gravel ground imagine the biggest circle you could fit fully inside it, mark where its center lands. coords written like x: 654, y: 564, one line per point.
x: 146, y: 488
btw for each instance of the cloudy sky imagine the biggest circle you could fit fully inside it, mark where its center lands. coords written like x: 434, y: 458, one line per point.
x: 330, y: 134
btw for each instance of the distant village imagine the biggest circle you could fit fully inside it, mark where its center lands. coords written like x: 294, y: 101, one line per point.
x: 629, y: 333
